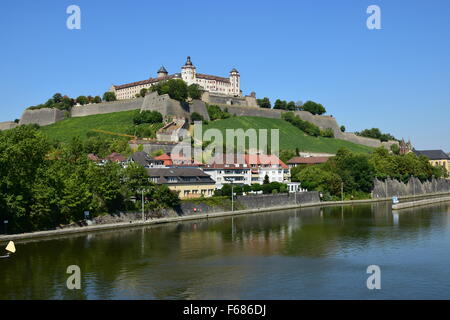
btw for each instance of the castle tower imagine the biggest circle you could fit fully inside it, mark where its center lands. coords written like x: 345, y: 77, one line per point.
x: 235, y: 80
x: 188, y: 72
x: 162, y: 72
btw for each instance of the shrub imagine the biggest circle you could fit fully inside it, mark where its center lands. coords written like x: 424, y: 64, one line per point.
x: 307, y: 127
x: 147, y: 117
x: 216, y: 113
x: 327, y: 133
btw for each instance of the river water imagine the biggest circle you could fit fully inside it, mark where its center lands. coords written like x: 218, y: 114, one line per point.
x: 314, y: 253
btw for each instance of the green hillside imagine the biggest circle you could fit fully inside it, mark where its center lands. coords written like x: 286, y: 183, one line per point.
x: 65, y: 130
x: 121, y: 122
x: 290, y: 136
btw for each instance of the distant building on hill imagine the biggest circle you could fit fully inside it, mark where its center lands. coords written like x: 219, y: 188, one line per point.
x: 296, y: 161
x: 436, y: 157
x: 405, y: 147
x: 229, y: 86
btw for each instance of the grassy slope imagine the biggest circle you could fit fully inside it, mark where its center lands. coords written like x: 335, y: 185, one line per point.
x: 65, y: 130
x: 290, y: 136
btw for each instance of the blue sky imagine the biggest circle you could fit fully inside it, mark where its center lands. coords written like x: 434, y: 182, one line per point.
x: 396, y: 78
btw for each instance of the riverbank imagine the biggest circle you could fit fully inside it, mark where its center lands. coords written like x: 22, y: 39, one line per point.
x: 133, y: 224
x: 419, y: 203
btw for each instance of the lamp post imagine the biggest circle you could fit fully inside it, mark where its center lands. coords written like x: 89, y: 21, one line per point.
x: 142, y: 201
x: 6, y: 226
x: 232, y: 192
x: 342, y: 191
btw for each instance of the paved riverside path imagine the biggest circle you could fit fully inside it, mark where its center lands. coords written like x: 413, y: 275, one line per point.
x: 138, y: 223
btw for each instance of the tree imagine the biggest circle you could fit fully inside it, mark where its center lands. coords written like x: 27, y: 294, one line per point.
x: 82, y: 100
x: 216, y: 113
x: 143, y: 92
x: 318, y: 179
x: 314, y: 107
x: 395, y: 149
x: 264, y: 103
x: 342, y: 128
x: 266, y: 179
x: 176, y: 88
x: 109, y: 96
x: 280, y: 104
x: 57, y: 97
x: 97, y: 99
x: 291, y: 106
x: 376, y: 133
x: 194, y: 91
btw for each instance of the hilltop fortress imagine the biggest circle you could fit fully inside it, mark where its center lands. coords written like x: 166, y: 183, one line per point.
x: 224, y: 92
x: 230, y: 86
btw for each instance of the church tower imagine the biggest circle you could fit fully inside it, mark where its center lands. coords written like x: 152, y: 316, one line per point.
x: 188, y: 72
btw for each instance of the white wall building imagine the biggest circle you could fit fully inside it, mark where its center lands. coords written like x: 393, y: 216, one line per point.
x: 229, y: 173
x: 230, y: 86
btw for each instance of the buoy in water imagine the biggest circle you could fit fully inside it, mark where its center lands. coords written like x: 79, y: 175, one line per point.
x: 10, y: 248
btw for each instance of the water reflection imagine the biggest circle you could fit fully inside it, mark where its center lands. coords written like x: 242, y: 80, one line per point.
x: 307, y: 253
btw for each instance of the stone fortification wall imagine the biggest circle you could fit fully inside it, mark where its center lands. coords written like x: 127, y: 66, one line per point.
x: 7, y: 125
x: 42, y: 117
x: 199, y: 107
x: 165, y: 105
x: 391, y: 188
x: 107, y: 107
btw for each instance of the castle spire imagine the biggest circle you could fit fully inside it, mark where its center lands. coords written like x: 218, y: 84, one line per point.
x: 188, y: 61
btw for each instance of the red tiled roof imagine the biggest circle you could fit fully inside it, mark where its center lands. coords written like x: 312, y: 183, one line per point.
x: 259, y: 159
x: 210, y: 77
x: 308, y: 160
x: 139, y: 83
x: 116, y: 157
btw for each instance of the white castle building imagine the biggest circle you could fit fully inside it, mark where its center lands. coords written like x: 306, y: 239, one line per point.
x: 214, y: 84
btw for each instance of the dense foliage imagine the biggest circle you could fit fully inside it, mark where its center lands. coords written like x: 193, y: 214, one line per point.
x: 195, y: 91
x: 45, y: 184
x: 215, y: 113
x: 376, y: 133
x: 307, y: 127
x: 314, y: 107
x: 58, y: 101
x: 147, y: 117
x: 109, y: 96
x: 264, y: 103
x: 356, y: 172
x: 177, y: 89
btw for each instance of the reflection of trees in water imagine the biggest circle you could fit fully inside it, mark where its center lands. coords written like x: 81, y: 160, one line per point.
x: 181, y: 260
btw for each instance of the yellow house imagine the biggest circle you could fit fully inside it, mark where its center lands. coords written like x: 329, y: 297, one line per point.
x: 436, y: 158
x: 188, y: 182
